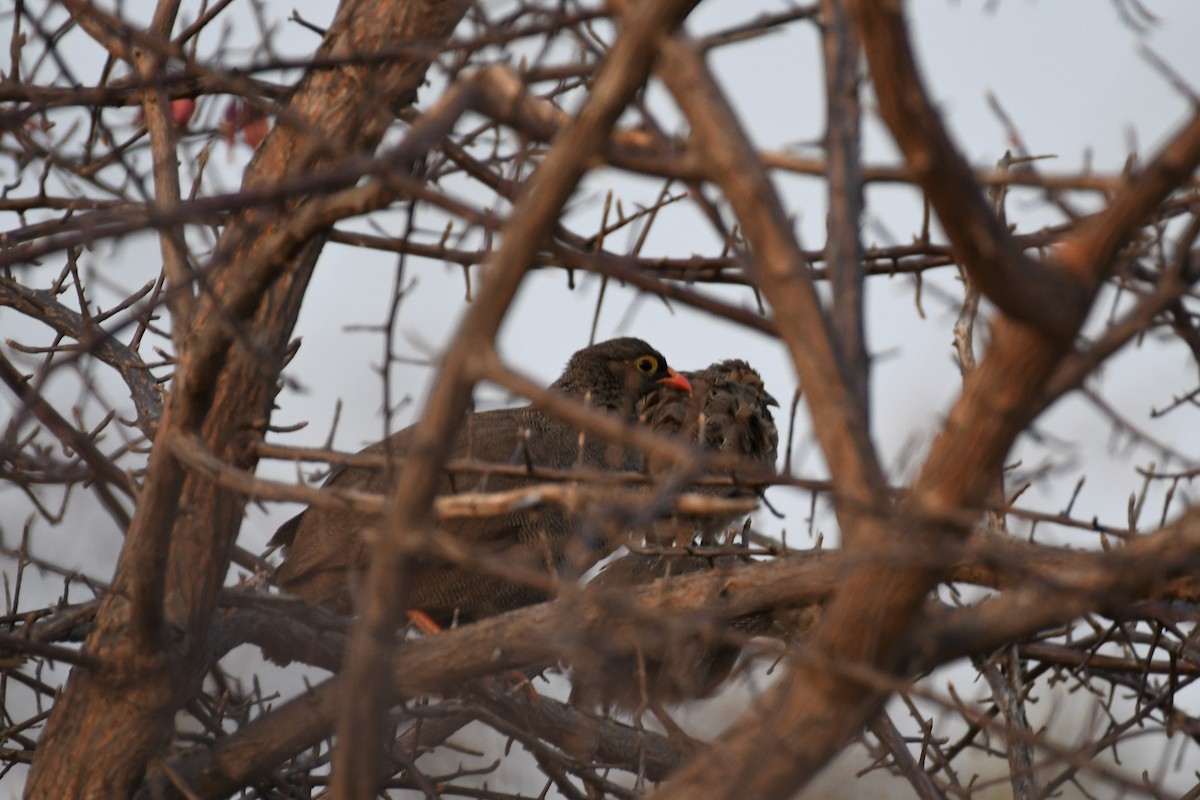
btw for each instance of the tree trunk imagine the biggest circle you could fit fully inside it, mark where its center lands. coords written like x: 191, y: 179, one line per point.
x: 150, y: 637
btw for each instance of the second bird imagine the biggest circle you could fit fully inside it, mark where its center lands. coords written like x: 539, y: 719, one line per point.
x: 730, y: 413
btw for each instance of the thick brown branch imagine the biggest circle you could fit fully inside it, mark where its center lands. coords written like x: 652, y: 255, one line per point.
x: 156, y: 111
x: 362, y: 725
x: 1041, y: 295
x: 1047, y: 587
x: 98, y: 740
x: 819, y: 705
x: 785, y: 278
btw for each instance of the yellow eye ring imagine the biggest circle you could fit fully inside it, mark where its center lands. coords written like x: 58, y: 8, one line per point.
x: 647, y: 365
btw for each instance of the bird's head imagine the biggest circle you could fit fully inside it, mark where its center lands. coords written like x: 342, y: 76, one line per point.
x: 617, y: 373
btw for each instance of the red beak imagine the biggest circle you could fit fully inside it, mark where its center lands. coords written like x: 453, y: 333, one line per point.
x: 676, y: 381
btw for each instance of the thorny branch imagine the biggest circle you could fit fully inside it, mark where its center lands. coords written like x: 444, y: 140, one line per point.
x: 142, y: 381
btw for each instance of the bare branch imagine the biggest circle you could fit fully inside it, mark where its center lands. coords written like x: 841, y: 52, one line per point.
x: 1041, y: 295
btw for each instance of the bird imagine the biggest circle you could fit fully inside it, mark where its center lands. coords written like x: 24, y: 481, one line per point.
x: 326, y: 551
x: 729, y: 413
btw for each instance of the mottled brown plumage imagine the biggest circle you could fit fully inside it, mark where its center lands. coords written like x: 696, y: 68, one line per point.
x: 326, y: 550
x: 729, y: 412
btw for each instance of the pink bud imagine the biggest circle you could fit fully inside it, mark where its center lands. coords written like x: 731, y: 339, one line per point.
x: 181, y: 112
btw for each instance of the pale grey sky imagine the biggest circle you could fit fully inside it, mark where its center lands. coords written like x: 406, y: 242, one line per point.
x: 1073, y: 77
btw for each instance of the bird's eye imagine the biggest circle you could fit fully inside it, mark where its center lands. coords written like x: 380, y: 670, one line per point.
x: 647, y: 365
